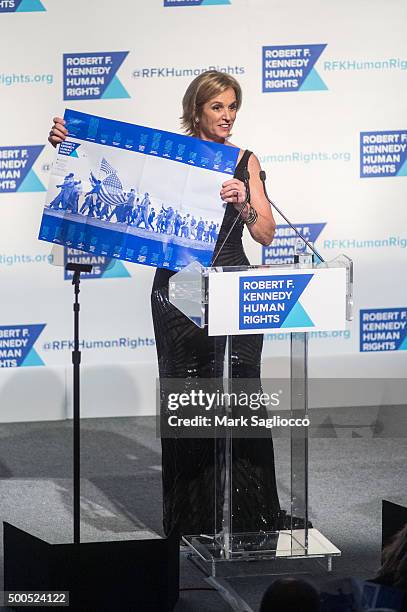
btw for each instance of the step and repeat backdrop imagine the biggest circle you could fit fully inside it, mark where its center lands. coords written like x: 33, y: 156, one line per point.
x: 324, y: 99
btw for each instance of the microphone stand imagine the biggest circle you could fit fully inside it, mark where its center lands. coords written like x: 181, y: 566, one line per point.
x: 76, y: 361
x: 309, y: 245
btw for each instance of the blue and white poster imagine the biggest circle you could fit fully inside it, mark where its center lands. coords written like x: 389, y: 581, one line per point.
x: 135, y: 193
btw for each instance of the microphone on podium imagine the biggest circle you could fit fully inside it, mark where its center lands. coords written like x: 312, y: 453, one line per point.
x: 262, y: 175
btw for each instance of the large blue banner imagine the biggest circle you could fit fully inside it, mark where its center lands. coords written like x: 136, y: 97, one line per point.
x: 136, y: 193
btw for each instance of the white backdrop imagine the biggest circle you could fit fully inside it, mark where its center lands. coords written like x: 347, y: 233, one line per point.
x: 308, y: 141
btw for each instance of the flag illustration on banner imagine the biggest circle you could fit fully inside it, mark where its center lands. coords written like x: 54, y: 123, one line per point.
x: 16, y: 173
x: 291, y: 68
x: 92, y: 76
x: 106, y: 168
x: 111, y: 186
x: 17, y: 345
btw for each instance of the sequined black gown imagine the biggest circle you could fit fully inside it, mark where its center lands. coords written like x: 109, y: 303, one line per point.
x: 189, y: 466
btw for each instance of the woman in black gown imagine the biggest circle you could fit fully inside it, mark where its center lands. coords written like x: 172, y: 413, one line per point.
x: 190, y: 466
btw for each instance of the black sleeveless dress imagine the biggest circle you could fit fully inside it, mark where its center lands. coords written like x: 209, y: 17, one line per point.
x: 190, y: 466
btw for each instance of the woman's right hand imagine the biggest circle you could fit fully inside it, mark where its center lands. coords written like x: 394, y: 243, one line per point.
x: 58, y: 132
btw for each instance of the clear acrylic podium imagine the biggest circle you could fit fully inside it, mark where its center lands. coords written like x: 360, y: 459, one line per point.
x: 205, y: 293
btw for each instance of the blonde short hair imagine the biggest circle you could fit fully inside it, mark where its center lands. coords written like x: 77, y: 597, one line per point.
x: 202, y: 89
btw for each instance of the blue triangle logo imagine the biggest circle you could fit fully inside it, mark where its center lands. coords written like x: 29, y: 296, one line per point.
x: 313, y: 82
x: 403, y: 345
x: 30, y: 6
x: 298, y: 318
x: 74, y: 153
x: 115, y: 89
x: 31, y: 183
x: 403, y: 169
x: 33, y: 359
x: 117, y: 270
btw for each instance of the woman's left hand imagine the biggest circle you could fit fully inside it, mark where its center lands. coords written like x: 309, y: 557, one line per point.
x: 233, y: 191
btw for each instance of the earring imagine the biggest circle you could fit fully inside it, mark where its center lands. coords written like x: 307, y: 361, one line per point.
x: 196, y: 119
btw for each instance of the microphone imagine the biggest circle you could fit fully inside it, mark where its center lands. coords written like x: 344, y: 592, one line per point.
x: 262, y: 175
x: 246, y: 179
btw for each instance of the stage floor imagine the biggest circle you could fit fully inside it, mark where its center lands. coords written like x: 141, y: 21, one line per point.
x: 350, y: 473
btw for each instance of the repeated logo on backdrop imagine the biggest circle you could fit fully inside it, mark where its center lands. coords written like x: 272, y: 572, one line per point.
x: 195, y: 2
x: 281, y: 250
x: 291, y: 68
x: 16, y: 173
x: 102, y: 267
x: 92, y: 76
x: 21, y: 6
x: 383, y: 329
x: 383, y: 153
x: 17, y: 345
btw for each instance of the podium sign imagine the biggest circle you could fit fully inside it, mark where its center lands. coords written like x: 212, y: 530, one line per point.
x: 270, y: 300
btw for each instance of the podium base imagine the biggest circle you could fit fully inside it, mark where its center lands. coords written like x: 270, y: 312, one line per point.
x: 219, y: 555
x: 100, y: 576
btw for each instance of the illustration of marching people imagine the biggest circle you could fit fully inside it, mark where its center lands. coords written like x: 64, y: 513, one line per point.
x: 130, y: 209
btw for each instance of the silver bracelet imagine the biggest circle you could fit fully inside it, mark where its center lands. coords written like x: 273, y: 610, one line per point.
x: 251, y: 216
